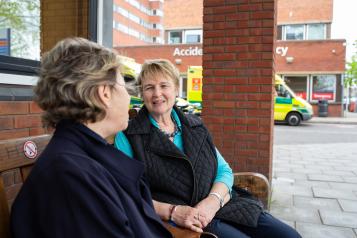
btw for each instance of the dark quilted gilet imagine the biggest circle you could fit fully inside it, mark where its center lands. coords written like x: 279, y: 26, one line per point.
x: 184, y: 178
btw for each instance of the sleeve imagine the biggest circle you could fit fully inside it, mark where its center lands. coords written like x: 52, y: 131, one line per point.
x: 86, y: 203
x: 224, y: 172
x: 121, y: 142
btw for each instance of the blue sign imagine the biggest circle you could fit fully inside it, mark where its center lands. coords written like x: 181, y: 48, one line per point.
x: 5, y: 41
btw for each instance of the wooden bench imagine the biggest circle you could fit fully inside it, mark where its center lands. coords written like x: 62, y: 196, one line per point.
x: 15, y: 167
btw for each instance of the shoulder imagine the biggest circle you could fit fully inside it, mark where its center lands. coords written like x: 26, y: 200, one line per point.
x: 139, y: 124
x: 190, y: 120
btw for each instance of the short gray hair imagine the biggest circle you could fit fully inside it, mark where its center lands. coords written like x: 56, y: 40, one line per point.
x: 69, y: 78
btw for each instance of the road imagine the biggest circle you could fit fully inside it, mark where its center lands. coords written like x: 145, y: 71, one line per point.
x: 313, y: 133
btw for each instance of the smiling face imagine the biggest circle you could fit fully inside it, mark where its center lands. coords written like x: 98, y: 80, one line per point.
x: 159, y: 93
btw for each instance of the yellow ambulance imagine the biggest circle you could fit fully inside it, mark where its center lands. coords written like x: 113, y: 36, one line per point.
x: 288, y: 107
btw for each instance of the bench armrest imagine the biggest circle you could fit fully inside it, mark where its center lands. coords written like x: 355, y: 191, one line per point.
x: 255, y: 183
x: 178, y: 232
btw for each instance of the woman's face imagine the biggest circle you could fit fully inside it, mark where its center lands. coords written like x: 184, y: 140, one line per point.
x: 120, y: 101
x: 159, y: 94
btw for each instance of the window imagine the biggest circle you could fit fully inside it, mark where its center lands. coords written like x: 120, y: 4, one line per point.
x: 193, y: 36
x: 281, y: 91
x: 316, y: 31
x: 323, y: 87
x: 298, y: 84
x: 175, y: 37
x: 294, y: 32
x: 20, y: 29
x: 185, y: 36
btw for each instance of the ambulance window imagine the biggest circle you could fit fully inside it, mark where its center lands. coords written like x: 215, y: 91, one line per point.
x: 281, y: 91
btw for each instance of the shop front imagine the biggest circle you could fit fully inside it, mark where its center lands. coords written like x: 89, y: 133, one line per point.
x: 314, y: 71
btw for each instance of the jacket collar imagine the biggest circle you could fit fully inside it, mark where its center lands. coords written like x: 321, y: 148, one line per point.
x: 99, y: 149
x: 141, y: 123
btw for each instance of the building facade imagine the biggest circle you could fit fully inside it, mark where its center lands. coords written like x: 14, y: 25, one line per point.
x: 307, y: 58
x: 137, y: 22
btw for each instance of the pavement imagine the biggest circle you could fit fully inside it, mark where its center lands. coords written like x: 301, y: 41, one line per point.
x: 315, y: 186
x: 349, y: 118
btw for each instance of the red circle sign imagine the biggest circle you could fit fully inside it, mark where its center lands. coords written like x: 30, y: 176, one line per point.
x: 30, y: 149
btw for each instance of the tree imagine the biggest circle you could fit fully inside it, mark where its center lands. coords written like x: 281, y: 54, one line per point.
x: 23, y: 18
x: 351, y: 73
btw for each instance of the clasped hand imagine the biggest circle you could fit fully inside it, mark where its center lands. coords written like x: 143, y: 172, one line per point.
x: 198, y: 217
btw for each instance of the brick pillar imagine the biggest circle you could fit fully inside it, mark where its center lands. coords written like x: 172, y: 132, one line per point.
x: 61, y: 19
x: 238, y: 80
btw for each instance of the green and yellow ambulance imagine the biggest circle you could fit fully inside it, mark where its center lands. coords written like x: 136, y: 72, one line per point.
x: 288, y: 107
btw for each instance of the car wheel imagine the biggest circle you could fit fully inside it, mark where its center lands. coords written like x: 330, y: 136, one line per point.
x: 293, y: 119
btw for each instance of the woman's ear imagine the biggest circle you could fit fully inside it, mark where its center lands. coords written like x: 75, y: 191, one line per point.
x: 105, y: 94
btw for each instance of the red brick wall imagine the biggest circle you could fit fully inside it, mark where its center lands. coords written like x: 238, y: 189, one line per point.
x: 19, y: 119
x: 298, y: 11
x: 312, y: 56
x: 237, y: 71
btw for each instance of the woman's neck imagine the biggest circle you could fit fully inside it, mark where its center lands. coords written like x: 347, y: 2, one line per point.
x: 163, y: 120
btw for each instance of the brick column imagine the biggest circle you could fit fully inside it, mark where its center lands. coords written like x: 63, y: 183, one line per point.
x: 238, y: 80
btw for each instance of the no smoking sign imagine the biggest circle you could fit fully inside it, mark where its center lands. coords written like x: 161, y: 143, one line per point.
x: 30, y: 149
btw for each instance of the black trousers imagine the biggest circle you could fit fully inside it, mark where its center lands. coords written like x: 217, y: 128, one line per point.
x: 268, y: 227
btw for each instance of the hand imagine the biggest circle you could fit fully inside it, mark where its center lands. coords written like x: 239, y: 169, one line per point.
x: 207, y: 208
x: 188, y: 217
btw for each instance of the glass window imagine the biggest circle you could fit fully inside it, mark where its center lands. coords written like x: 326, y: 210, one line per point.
x: 281, y: 91
x: 134, y: 18
x: 323, y: 87
x: 294, y: 32
x: 175, y: 37
x: 316, y: 31
x: 193, y: 36
x: 20, y: 29
x: 298, y: 84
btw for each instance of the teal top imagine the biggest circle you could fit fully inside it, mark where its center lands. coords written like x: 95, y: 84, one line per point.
x: 224, y: 172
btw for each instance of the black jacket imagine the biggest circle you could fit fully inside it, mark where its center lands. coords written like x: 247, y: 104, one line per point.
x: 185, y: 178
x: 81, y: 186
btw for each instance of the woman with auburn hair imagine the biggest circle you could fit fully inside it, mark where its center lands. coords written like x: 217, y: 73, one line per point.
x: 81, y: 186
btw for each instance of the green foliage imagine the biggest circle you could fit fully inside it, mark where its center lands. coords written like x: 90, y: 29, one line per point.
x: 23, y: 18
x: 351, y: 73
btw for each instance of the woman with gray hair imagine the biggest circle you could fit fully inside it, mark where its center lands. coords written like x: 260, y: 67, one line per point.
x: 81, y: 186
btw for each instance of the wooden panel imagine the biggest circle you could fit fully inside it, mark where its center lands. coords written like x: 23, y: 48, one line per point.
x: 12, y: 151
x: 4, y: 212
x: 255, y: 183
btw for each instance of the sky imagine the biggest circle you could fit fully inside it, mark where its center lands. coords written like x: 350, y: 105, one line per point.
x: 344, y: 24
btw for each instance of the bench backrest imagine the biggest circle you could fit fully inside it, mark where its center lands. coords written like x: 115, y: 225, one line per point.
x: 17, y: 156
